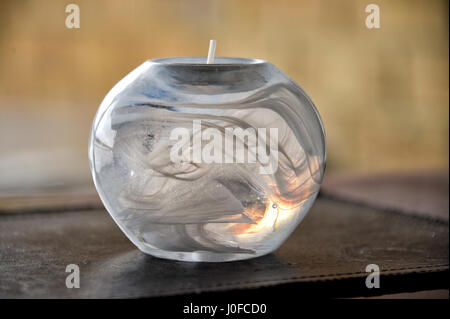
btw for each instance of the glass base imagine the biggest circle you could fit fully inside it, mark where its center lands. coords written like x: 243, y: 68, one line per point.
x: 199, y: 256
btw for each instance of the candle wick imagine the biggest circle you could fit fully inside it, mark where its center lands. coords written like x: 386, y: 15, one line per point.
x: 211, y: 52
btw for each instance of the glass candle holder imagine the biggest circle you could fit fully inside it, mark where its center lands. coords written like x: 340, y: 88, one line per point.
x: 207, y: 162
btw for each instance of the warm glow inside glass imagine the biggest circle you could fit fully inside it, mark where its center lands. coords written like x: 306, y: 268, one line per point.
x: 195, y: 209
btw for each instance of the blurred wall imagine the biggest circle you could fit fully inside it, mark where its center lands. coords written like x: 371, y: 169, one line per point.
x: 382, y: 93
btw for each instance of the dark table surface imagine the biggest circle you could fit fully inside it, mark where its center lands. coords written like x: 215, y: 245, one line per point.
x: 399, y: 223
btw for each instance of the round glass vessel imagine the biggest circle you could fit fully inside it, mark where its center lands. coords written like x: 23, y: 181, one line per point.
x: 207, y: 162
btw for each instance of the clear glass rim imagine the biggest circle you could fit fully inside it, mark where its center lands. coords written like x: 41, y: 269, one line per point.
x: 201, y: 61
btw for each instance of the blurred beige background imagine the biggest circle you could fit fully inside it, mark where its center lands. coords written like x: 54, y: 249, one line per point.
x: 383, y: 93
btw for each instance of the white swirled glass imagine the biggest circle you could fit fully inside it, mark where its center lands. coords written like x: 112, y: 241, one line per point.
x: 207, y: 162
